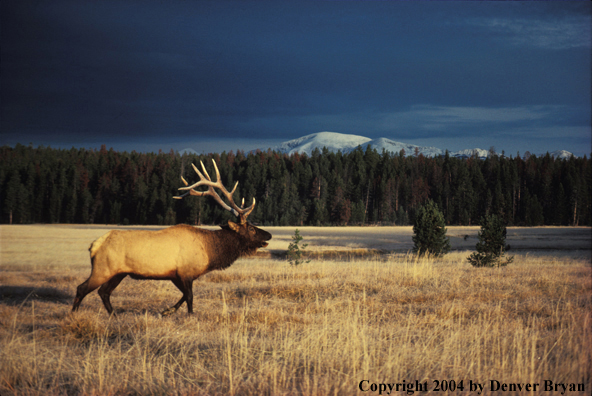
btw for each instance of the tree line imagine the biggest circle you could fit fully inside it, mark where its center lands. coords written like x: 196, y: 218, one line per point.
x: 363, y: 187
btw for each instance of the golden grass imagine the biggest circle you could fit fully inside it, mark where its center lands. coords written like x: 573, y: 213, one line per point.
x: 264, y: 327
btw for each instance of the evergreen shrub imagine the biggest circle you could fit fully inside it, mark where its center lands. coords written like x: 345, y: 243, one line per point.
x: 295, y: 250
x: 492, y: 246
x: 430, y: 231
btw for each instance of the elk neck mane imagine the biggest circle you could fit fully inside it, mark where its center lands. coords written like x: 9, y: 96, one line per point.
x: 224, y: 246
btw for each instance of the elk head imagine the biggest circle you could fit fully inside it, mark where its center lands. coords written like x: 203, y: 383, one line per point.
x: 254, y: 237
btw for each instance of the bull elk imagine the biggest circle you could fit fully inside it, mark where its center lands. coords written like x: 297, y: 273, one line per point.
x: 180, y: 253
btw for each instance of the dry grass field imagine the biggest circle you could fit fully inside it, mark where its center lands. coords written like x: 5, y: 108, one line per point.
x: 351, y: 321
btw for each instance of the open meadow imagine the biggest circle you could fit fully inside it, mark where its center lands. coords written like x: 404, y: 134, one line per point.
x: 364, y: 316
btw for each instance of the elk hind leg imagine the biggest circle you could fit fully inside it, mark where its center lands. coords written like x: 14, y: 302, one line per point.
x: 86, y: 287
x: 106, y: 290
x: 189, y: 295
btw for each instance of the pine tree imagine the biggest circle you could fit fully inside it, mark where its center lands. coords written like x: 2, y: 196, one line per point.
x: 430, y: 231
x: 295, y: 250
x: 492, y: 244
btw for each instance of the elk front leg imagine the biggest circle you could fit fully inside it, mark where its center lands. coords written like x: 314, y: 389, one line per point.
x: 181, y: 286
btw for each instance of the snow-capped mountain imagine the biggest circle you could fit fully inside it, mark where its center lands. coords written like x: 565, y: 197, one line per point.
x: 346, y: 143
x: 396, y: 147
x: 467, y: 153
x: 333, y: 141
x: 561, y: 154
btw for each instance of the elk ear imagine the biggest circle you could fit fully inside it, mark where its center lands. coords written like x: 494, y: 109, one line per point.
x: 233, y: 226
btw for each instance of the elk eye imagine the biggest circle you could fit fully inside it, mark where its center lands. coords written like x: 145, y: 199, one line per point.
x: 251, y: 229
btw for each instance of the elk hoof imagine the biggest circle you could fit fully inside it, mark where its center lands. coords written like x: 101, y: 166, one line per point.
x: 168, y: 311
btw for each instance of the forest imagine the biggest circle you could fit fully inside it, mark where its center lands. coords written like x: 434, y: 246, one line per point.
x: 363, y: 187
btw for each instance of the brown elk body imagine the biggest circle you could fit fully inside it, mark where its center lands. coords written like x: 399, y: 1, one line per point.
x: 180, y: 254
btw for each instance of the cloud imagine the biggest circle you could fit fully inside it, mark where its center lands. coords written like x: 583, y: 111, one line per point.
x: 570, y: 32
x: 551, y: 132
x: 434, y: 118
x: 423, y: 121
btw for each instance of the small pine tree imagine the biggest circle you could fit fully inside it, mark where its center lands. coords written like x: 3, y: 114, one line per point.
x: 430, y: 231
x: 296, y: 251
x: 492, y: 244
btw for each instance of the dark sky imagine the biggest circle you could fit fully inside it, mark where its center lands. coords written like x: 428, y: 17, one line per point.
x: 222, y: 75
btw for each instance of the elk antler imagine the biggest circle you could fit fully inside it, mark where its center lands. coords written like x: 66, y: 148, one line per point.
x: 241, y: 212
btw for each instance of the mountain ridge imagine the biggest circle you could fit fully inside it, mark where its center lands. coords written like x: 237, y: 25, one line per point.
x: 346, y: 143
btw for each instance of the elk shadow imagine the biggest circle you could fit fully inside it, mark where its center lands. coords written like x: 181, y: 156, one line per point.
x: 17, y: 295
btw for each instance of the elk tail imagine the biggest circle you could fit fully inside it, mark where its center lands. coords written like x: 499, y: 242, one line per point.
x: 96, y: 245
